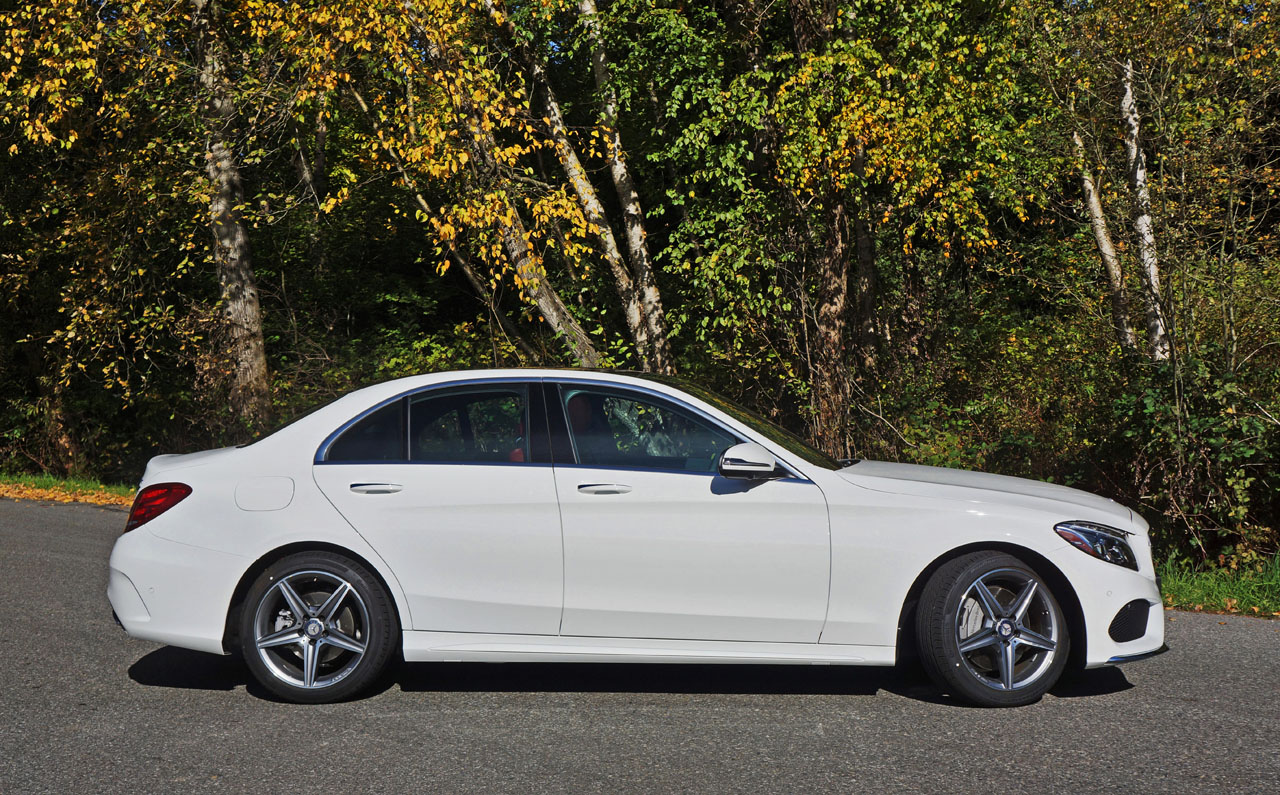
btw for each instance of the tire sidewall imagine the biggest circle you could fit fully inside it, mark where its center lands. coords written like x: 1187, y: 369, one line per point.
x: 940, y: 650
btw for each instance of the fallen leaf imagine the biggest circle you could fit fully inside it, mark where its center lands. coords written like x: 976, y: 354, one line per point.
x: 24, y: 491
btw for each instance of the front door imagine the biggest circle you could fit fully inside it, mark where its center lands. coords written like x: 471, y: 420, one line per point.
x: 658, y: 545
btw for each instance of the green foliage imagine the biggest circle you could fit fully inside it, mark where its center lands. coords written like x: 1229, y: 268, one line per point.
x: 1199, y: 447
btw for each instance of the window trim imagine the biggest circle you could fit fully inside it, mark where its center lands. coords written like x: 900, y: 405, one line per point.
x: 553, y: 425
x: 537, y: 424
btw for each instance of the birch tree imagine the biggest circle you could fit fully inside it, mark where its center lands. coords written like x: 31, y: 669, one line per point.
x: 1143, y: 228
x: 1106, y: 248
x: 625, y: 187
x: 629, y: 293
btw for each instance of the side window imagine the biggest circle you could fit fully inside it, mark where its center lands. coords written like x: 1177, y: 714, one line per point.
x: 377, y: 437
x: 611, y: 428
x: 475, y: 426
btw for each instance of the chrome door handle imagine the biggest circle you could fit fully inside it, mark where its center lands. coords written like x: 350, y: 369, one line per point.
x: 603, y: 488
x: 376, y: 488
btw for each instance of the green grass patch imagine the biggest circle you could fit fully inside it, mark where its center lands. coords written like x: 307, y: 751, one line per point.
x: 1248, y: 589
x: 71, y: 486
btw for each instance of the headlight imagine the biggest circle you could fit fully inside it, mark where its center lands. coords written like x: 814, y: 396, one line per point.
x: 1103, y: 542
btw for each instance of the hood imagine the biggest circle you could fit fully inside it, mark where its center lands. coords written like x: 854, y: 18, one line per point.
x: 167, y: 463
x: 959, y: 484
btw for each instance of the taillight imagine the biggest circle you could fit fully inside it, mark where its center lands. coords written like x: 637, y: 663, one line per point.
x: 155, y: 500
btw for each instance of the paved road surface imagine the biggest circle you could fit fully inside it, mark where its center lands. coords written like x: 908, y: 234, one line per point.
x: 84, y: 709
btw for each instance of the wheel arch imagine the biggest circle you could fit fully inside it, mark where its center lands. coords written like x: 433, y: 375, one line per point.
x: 231, y: 631
x: 1058, y: 582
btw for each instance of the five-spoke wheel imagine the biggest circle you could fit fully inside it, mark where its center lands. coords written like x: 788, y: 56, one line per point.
x: 317, y: 627
x: 990, y: 630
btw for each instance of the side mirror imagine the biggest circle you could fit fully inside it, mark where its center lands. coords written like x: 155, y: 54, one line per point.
x: 748, y: 460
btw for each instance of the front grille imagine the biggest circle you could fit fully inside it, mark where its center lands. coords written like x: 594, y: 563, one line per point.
x: 1131, y: 622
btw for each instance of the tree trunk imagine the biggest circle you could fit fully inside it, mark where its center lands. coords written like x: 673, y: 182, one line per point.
x: 533, y: 280
x: 528, y: 266
x: 831, y: 390
x: 1157, y: 329
x: 249, y: 382
x: 313, y: 173
x: 629, y: 293
x: 867, y: 290
x: 1106, y: 250
x: 509, y: 329
x: 812, y: 22
x: 529, y: 269
x: 628, y: 198
x: 813, y: 25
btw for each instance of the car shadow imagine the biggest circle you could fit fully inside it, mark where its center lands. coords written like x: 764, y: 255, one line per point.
x: 684, y: 679
x: 190, y: 670
x: 1093, y: 682
x: 172, y: 667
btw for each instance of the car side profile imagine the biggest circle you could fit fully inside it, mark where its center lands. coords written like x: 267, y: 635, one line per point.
x: 563, y: 515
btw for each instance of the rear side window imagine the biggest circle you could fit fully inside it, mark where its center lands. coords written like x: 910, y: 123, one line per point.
x: 377, y: 437
x: 476, y: 426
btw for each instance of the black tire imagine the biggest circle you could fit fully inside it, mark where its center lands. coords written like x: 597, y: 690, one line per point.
x: 983, y: 650
x: 340, y: 647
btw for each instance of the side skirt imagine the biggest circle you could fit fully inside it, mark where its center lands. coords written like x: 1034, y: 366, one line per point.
x: 474, y: 647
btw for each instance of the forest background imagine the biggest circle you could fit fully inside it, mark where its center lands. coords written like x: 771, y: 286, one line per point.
x: 1033, y: 237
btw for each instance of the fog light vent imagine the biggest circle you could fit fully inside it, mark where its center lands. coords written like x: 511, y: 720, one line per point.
x: 1131, y: 622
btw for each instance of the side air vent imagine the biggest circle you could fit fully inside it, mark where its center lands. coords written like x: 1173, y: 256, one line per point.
x: 1131, y: 622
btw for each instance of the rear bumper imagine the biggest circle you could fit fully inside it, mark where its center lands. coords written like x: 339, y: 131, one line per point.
x: 171, y: 593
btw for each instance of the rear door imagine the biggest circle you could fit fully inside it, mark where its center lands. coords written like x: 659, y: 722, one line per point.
x: 453, y: 487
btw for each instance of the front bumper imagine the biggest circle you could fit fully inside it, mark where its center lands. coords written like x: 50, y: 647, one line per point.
x: 1146, y: 655
x: 1105, y: 591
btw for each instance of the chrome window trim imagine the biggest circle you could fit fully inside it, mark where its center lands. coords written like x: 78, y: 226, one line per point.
x: 433, y: 463
x: 323, y: 449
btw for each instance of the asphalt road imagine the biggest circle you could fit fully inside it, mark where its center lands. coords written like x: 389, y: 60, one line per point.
x: 83, y: 708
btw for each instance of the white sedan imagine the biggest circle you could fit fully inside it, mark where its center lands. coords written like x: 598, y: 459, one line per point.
x: 554, y: 515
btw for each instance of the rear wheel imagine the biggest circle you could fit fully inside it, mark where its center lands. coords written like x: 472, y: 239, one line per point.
x: 990, y: 631
x: 317, y: 627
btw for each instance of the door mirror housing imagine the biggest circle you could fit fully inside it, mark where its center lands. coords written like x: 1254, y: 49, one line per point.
x: 749, y: 461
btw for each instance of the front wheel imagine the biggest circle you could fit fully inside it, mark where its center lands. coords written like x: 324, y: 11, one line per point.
x: 990, y: 631
x: 317, y: 627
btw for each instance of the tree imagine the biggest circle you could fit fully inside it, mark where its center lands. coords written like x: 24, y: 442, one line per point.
x: 1157, y: 328
x: 231, y: 251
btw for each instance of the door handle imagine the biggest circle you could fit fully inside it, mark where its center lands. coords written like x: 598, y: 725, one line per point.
x: 376, y: 488
x: 603, y: 488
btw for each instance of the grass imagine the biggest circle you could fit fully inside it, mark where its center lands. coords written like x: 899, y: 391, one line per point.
x: 1248, y: 590
x: 50, y: 487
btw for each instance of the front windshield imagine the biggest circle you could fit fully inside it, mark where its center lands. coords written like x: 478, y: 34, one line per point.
x: 792, y: 443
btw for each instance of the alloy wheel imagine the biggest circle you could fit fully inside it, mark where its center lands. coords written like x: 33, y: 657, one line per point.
x: 311, y: 629
x: 1007, y: 631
